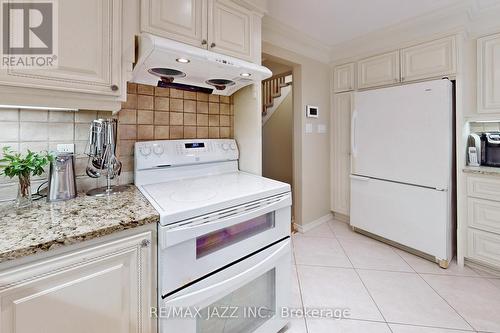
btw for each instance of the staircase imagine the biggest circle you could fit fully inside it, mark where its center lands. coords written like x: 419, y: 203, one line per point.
x: 274, y: 91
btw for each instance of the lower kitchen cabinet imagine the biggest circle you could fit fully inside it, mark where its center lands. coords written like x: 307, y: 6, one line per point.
x: 109, y: 287
x: 341, y: 152
x: 483, y: 219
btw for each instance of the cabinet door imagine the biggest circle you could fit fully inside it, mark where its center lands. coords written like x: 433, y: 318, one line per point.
x: 429, y: 60
x: 104, y: 289
x: 380, y: 70
x: 181, y: 20
x: 344, y: 78
x: 89, y: 51
x: 341, y: 152
x: 230, y: 29
x: 488, y: 62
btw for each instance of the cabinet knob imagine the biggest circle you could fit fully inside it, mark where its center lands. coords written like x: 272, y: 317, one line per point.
x: 204, y: 42
x: 212, y: 45
x: 145, y: 243
x: 114, y: 87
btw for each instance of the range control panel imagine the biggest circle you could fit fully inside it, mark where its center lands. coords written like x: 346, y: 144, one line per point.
x: 167, y: 153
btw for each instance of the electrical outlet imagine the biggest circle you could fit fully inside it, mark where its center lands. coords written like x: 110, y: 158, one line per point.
x: 66, y: 148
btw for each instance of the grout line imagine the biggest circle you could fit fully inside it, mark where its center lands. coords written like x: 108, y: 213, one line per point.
x: 426, y: 326
x: 362, y: 282
x: 299, y: 285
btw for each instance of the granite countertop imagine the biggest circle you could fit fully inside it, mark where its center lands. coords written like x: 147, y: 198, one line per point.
x: 47, y: 226
x: 482, y: 170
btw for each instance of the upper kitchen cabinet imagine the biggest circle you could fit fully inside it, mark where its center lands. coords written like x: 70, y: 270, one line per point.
x: 433, y: 59
x: 89, y: 54
x: 488, y: 67
x: 344, y: 78
x: 230, y: 29
x: 222, y: 26
x: 184, y: 21
x: 379, y: 70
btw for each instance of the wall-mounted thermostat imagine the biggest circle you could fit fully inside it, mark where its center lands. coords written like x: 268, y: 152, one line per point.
x: 312, y: 111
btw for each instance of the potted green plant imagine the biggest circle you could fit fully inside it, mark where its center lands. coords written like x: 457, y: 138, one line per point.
x: 16, y: 165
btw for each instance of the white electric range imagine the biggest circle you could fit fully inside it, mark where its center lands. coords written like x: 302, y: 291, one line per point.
x: 223, y: 237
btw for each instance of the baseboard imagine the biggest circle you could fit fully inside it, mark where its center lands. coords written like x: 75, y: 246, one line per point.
x: 477, y: 265
x: 313, y: 224
x: 341, y: 217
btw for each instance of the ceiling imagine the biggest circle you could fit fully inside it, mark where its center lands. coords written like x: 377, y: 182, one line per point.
x: 335, y: 21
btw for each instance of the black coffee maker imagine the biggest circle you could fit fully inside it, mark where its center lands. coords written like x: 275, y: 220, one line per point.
x: 490, y: 149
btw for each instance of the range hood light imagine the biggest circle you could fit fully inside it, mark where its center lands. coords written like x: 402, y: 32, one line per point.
x: 245, y: 74
x: 183, y: 60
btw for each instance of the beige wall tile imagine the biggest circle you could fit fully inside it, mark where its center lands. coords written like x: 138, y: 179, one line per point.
x: 213, y: 98
x: 213, y: 108
x: 162, y: 118
x: 126, y: 116
x: 145, y: 117
x: 213, y: 133
x: 165, y: 92
x: 201, y: 97
x: 225, y: 109
x: 175, y: 93
x: 162, y: 104
x: 202, y: 120
x: 190, y: 106
x: 82, y: 131
x: 161, y: 132
x: 61, y: 116
x: 34, y: 115
x: 131, y: 88
x: 127, y: 163
x: 189, y: 119
x: 225, y: 132
x: 145, y: 132
x: 213, y: 120
x: 225, y: 121
x: 126, y: 147
x: 61, y: 131
x: 131, y: 102
x: 190, y: 95
x: 143, y: 89
x: 106, y: 115
x: 145, y: 102
x: 225, y: 99
x: 189, y: 132
x: 32, y: 131
x: 9, y: 115
x: 176, y: 132
x: 176, y: 118
x: 127, y: 132
x: 176, y: 104
x: 202, y: 132
x: 201, y: 107
x: 9, y: 132
x: 85, y: 116
x: 33, y: 146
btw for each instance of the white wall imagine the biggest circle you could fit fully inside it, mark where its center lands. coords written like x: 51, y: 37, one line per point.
x: 311, y: 152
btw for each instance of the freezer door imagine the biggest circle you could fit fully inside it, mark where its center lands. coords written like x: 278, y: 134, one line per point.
x: 409, y: 215
x: 404, y: 133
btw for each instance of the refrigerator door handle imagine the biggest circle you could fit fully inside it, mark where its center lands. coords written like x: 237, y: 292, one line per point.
x: 353, y: 133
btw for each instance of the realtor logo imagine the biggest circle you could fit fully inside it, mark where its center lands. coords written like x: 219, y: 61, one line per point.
x: 29, y: 34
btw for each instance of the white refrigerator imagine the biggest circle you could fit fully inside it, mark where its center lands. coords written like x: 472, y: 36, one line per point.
x: 401, y: 166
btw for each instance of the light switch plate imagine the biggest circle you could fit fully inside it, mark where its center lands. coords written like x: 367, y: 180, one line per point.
x: 66, y: 148
x: 309, y: 128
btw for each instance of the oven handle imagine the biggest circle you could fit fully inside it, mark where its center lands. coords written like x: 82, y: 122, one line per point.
x: 172, y: 236
x: 225, y: 286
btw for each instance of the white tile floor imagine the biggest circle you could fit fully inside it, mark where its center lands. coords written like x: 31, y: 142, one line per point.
x: 385, y: 289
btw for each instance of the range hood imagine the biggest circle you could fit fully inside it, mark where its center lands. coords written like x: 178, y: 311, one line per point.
x: 166, y: 63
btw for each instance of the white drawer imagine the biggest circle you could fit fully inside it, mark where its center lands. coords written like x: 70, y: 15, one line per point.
x: 484, y: 214
x: 484, y: 246
x: 484, y: 188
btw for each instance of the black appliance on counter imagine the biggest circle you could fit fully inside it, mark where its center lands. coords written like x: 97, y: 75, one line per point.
x: 490, y: 149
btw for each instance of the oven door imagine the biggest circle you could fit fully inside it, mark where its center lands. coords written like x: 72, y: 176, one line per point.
x: 245, y: 297
x: 191, y: 249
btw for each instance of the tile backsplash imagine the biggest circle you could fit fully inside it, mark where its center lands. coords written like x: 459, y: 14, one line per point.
x: 481, y: 127
x: 150, y: 113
